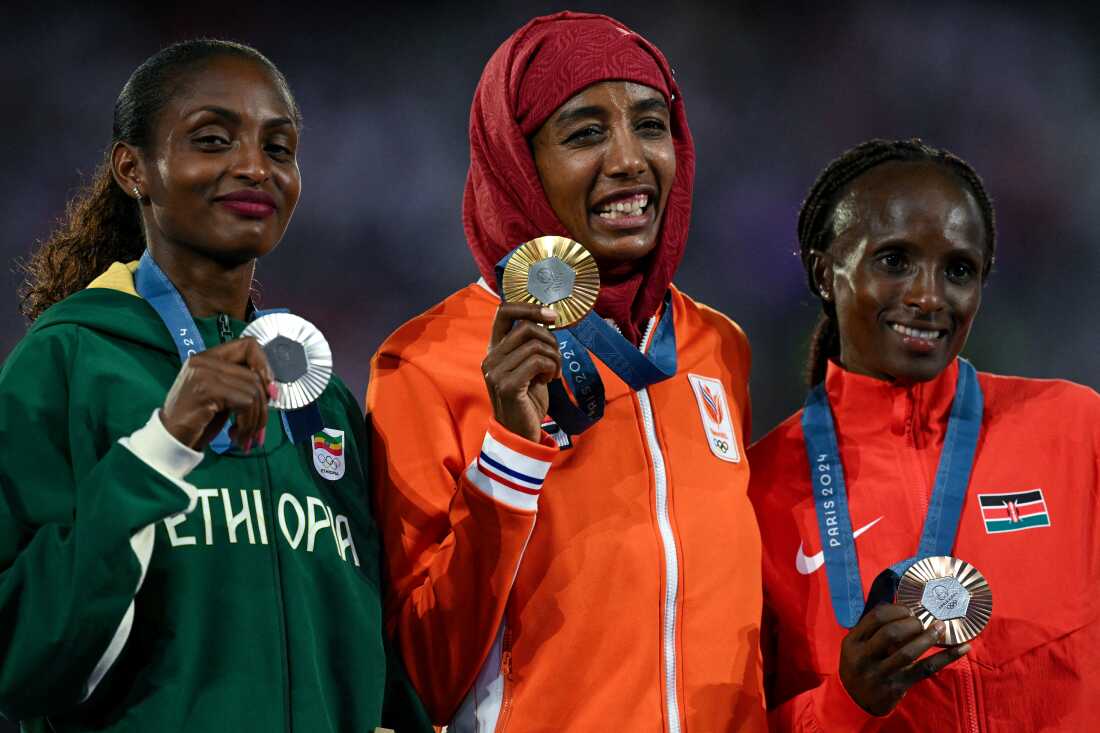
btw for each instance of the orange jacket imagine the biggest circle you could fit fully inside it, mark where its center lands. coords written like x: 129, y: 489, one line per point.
x: 1033, y: 666
x: 597, y: 587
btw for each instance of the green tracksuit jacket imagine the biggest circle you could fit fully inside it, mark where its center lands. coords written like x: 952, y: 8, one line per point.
x: 140, y: 594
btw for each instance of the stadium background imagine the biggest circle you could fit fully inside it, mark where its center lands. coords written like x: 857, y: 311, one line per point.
x: 773, y: 92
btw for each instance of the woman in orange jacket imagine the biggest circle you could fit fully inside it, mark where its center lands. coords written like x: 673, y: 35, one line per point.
x: 915, y: 454
x: 552, y: 579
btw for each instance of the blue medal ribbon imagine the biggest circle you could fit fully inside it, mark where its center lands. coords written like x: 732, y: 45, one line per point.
x: 156, y: 289
x: 593, y: 334
x: 941, y: 523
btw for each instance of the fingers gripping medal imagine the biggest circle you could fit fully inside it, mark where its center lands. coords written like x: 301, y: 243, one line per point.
x: 950, y: 590
x: 555, y: 272
x: 298, y: 354
x: 559, y: 273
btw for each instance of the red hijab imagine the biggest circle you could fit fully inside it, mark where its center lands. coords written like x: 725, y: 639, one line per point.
x: 539, y: 68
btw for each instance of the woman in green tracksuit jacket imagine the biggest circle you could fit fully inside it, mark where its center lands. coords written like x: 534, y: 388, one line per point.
x: 147, y: 581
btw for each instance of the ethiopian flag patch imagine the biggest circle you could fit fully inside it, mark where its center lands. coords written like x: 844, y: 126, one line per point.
x: 1014, y: 512
x: 328, y: 453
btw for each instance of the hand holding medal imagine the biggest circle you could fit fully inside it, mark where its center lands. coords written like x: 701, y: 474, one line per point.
x: 286, y: 365
x: 229, y: 379
x: 559, y: 275
x: 884, y: 655
x: 288, y: 362
x: 547, y: 283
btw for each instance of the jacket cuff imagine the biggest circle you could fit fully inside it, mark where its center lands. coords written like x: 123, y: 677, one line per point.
x: 510, y: 468
x: 837, y: 710
x: 159, y: 449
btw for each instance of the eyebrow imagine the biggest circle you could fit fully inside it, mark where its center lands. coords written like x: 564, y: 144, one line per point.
x: 235, y: 118
x: 648, y: 105
x: 579, y: 113
x: 644, y: 105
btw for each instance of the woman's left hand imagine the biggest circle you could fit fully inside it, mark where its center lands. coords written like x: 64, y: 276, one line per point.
x: 879, y: 657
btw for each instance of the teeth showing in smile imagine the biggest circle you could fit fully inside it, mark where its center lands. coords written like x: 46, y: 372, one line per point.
x: 916, y: 332
x: 633, y: 206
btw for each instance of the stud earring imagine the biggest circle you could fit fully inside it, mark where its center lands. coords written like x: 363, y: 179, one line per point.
x: 137, y: 193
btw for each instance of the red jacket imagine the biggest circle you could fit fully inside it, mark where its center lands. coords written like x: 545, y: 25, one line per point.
x: 1033, y: 667
x: 611, y: 585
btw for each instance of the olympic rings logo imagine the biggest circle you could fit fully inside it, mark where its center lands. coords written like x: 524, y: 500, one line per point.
x: 721, y: 445
x: 327, y: 461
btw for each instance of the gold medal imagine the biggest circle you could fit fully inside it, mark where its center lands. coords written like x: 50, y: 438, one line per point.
x: 298, y: 354
x: 949, y: 590
x: 555, y: 272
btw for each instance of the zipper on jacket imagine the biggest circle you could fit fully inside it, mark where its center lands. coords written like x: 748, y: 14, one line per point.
x: 967, y: 669
x: 506, y: 675
x: 280, y: 597
x: 225, y: 333
x: 916, y: 466
x: 672, y: 569
x: 668, y: 541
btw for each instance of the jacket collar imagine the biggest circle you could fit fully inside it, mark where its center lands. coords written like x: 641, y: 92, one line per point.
x: 865, y: 407
x: 111, y: 304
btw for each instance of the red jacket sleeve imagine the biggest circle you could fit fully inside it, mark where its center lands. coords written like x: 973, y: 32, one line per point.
x: 454, y: 527
x: 822, y: 709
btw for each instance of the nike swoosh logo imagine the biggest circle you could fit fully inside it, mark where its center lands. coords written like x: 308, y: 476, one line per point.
x: 810, y: 564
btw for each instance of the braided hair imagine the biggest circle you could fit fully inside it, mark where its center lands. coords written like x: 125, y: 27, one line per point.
x: 102, y: 223
x: 816, y: 225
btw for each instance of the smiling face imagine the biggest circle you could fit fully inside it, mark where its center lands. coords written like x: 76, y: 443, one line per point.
x: 221, y: 177
x: 607, y: 161
x: 904, y: 270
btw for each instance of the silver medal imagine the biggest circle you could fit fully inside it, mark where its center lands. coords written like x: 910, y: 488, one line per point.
x: 298, y: 354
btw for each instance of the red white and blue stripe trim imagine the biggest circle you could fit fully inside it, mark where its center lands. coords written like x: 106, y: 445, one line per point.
x: 507, y: 475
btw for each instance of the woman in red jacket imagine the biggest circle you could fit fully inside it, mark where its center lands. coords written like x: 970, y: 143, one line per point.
x: 897, y: 241
x: 549, y: 579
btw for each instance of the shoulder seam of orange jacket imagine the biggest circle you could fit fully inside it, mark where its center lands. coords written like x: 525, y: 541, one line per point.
x: 1041, y: 434
x: 560, y: 622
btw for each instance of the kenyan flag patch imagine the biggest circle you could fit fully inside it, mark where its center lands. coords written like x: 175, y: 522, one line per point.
x: 1014, y: 512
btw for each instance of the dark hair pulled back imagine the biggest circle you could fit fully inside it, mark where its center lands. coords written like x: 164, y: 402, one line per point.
x: 102, y: 223
x: 816, y: 231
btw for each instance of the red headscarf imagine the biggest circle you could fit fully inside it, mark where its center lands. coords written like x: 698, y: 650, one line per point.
x: 539, y: 68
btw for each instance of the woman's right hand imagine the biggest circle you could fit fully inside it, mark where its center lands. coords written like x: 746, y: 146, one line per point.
x: 878, y: 657
x: 229, y: 379
x: 523, y: 358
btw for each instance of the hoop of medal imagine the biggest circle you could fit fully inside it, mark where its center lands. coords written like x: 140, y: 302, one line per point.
x: 934, y: 585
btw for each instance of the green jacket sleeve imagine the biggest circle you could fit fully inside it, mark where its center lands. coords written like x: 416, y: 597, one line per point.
x: 73, y: 548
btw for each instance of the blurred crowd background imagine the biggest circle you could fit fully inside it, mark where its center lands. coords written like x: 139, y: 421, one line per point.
x: 773, y: 92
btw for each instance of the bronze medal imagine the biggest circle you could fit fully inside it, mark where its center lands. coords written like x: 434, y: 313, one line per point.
x: 949, y: 590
